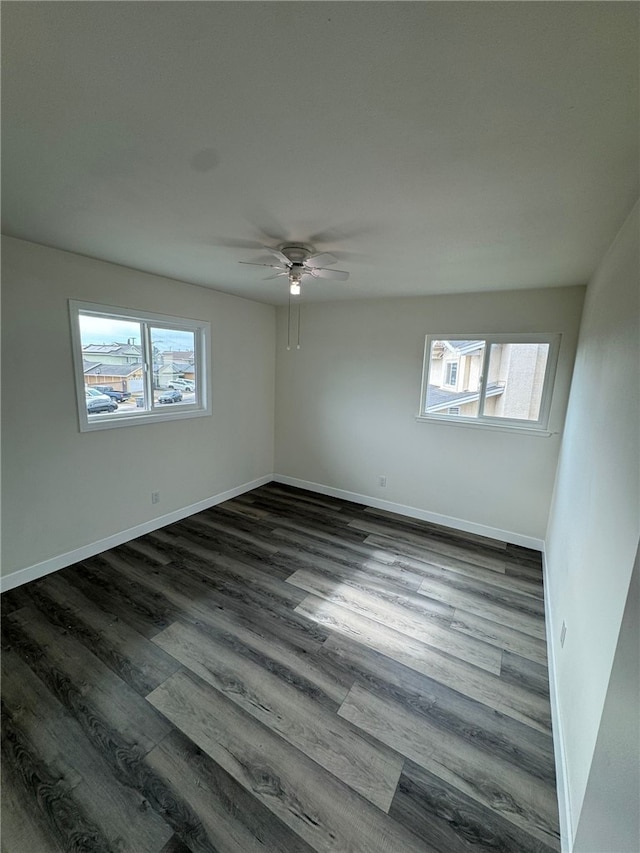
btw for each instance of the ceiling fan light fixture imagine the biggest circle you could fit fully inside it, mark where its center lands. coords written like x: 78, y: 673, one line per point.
x: 294, y: 283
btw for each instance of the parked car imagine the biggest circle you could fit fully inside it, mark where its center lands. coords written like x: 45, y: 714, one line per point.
x: 172, y: 396
x: 97, y: 402
x: 181, y: 385
x: 118, y: 396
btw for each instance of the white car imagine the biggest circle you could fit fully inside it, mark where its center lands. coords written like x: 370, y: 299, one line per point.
x: 181, y: 385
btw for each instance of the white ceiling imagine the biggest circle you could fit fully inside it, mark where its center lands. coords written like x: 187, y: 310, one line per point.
x: 433, y: 147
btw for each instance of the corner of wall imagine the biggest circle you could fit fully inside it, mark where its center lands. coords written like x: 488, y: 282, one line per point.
x: 562, y: 783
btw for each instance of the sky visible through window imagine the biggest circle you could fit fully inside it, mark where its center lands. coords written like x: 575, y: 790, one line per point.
x: 105, y: 330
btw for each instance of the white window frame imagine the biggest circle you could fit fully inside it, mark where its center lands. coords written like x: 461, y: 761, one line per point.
x: 202, y: 337
x: 491, y: 421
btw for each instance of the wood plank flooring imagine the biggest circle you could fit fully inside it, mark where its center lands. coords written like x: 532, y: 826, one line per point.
x: 285, y: 672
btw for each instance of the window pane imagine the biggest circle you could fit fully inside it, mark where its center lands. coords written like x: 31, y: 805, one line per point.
x: 112, y: 365
x: 455, y: 376
x: 174, y: 367
x: 515, y: 380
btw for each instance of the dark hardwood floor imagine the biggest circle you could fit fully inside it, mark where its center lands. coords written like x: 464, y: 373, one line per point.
x: 284, y: 672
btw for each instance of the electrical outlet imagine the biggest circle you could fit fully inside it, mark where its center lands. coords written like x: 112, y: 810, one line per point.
x: 382, y: 480
x: 155, y: 497
x: 563, y: 633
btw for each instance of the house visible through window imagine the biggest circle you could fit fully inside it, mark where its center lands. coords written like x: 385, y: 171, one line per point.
x: 500, y: 379
x: 134, y: 367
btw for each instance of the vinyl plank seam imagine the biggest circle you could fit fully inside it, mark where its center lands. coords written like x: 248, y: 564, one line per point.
x: 211, y: 796
x: 117, y: 809
x: 535, y: 631
x: 157, y: 800
x: 530, y: 809
x: 365, y: 768
x: 267, y: 777
x: 404, y: 621
x: 272, y: 617
x: 65, y: 816
x: 453, y: 821
x: 441, y: 660
x: 269, y: 660
x: 111, y: 657
x: 511, y: 639
x: 107, y: 741
x: 436, y: 709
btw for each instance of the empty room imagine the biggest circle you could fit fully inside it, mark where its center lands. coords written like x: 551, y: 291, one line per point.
x: 320, y: 427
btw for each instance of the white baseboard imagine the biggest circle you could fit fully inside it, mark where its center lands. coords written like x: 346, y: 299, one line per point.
x: 54, y: 563
x: 414, y: 512
x: 39, y: 570
x: 562, y: 780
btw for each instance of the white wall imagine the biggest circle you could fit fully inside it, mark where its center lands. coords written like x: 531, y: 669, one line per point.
x: 63, y: 489
x: 346, y: 406
x: 610, y: 816
x: 594, y: 523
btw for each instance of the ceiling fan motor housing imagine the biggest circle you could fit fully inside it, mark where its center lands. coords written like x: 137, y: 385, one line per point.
x: 297, y: 254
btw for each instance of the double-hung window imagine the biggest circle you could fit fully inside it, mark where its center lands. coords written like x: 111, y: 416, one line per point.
x: 134, y: 367
x: 494, y: 380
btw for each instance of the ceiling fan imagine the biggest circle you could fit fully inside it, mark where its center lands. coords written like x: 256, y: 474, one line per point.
x: 297, y: 261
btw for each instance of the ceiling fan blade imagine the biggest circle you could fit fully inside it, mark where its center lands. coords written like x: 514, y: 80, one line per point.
x: 277, y: 275
x: 338, y: 275
x: 255, y: 264
x: 283, y: 258
x: 323, y: 259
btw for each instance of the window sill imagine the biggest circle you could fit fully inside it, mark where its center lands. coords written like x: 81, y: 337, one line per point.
x: 123, y: 420
x: 521, y: 430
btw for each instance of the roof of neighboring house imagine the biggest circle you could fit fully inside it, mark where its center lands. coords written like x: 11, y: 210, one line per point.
x: 438, y: 398
x: 110, y: 369
x: 113, y: 349
x: 176, y: 367
x: 463, y: 347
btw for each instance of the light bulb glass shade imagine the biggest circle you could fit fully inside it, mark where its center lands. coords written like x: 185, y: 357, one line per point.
x: 294, y: 288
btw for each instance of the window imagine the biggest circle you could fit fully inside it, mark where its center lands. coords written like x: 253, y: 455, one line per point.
x: 135, y: 367
x: 452, y: 373
x: 498, y: 379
